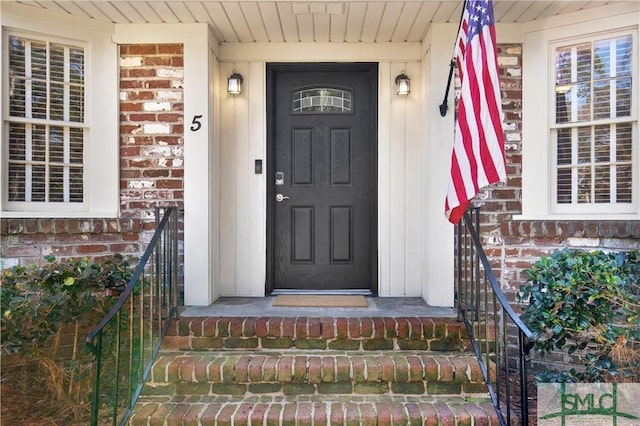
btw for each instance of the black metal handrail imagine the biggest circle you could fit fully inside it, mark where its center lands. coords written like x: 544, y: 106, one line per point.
x: 500, y: 340
x: 126, y: 341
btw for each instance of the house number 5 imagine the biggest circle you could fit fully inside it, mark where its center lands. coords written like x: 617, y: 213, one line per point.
x: 195, y: 123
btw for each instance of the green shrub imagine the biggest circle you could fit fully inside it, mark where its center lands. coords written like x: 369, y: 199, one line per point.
x: 586, y: 301
x: 36, y: 300
x: 41, y: 304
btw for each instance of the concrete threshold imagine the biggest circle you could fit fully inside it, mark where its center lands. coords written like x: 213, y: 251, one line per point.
x: 262, y: 306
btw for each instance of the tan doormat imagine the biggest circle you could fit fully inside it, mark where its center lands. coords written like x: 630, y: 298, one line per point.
x: 307, y: 300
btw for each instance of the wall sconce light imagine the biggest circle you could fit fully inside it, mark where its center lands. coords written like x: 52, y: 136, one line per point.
x: 403, y: 83
x: 234, y: 83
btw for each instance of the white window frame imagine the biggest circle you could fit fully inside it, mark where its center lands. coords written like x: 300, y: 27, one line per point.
x: 101, y: 124
x: 538, y: 130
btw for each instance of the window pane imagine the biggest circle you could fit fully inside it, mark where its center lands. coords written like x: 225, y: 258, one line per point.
x: 564, y: 146
x: 602, y: 143
x: 563, y: 65
x: 584, y: 185
x: 602, y: 184
x: 16, y: 57
x: 38, y: 183
x: 17, y: 142
x: 563, y: 113
x: 623, y: 184
x: 57, y: 101
x: 584, y: 101
x: 38, y: 61
x: 56, y: 183
x: 56, y: 145
x: 16, y: 182
x: 564, y: 186
x: 602, y: 59
x: 623, y: 97
x: 76, y: 145
x: 39, y: 99
x: 319, y: 100
x: 601, y: 99
x: 76, y: 104
x: 76, y: 185
x: 584, y: 145
x: 623, y: 142
x: 76, y: 66
x: 38, y: 143
x: 17, y: 97
x: 583, y: 62
x: 56, y: 65
x: 623, y: 56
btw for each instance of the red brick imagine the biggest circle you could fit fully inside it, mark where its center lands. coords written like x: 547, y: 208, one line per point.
x: 337, y: 414
x: 170, y: 118
x: 285, y: 366
x: 91, y: 248
x: 354, y: 327
x: 151, y: 61
x: 170, y: 49
x: 242, y: 369
x: 315, y: 327
x: 158, y: 84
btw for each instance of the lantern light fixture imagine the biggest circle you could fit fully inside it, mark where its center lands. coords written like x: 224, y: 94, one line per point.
x: 403, y: 84
x: 234, y: 83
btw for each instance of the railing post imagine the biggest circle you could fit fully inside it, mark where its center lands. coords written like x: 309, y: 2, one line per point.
x: 524, y: 391
x: 95, y: 397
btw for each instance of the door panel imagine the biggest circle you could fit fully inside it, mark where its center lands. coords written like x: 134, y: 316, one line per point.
x: 323, y: 146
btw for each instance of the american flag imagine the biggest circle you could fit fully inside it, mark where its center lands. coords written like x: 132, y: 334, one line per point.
x: 478, y: 150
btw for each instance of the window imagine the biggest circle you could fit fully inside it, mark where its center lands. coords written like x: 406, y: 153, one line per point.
x: 45, y: 123
x: 59, y: 146
x: 580, y: 98
x: 593, y: 126
x: 322, y: 100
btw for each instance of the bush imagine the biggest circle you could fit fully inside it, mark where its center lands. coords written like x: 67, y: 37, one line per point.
x: 589, y: 302
x: 38, y: 305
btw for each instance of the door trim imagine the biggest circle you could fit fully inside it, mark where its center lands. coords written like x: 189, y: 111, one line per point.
x: 271, y: 70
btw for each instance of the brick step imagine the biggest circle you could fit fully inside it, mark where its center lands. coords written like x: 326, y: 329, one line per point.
x: 365, y: 334
x: 327, y: 410
x: 315, y: 372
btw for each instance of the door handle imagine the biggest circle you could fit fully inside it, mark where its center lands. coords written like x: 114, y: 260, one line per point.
x: 280, y: 198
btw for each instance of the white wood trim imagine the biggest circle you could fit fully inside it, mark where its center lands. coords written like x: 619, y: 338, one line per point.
x: 320, y: 52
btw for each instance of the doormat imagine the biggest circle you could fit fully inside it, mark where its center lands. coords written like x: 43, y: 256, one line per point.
x: 307, y: 300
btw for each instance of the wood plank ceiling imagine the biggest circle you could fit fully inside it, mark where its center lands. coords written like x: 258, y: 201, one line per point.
x: 300, y: 21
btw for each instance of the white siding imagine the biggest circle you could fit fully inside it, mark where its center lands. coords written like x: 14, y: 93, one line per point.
x: 243, y: 203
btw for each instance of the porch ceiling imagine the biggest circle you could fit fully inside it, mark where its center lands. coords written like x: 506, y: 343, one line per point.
x: 300, y: 21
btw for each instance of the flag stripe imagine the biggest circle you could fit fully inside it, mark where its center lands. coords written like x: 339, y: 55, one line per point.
x: 477, y: 158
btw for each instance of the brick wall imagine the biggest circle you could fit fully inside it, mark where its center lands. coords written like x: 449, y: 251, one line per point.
x: 151, y: 168
x: 151, y: 128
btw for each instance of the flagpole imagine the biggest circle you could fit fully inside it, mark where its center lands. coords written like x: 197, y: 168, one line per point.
x: 443, y: 106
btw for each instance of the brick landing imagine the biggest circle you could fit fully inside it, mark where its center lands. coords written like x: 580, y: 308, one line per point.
x: 315, y: 371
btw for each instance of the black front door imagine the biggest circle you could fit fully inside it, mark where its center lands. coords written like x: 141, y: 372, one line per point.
x: 322, y: 190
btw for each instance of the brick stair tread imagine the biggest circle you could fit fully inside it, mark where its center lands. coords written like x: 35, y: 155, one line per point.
x: 406, y: 327
x: 277, y: 333
x: 281, y: 410
x: 315, y: 367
